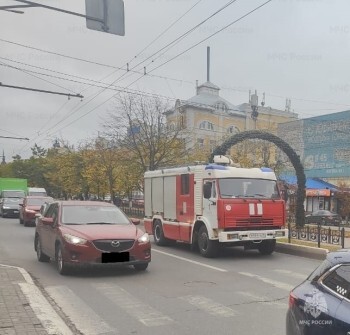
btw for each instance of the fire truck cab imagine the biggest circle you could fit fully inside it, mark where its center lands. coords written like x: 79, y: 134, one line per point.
x: 213, y: 205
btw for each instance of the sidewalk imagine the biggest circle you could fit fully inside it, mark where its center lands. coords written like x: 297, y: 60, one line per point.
x: 23, y: 308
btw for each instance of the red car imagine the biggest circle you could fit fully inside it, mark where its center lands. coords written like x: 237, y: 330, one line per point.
x: 90, y: 232
x: 30, y: 207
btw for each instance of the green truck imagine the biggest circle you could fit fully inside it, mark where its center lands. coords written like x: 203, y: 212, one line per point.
x: 13, y: 187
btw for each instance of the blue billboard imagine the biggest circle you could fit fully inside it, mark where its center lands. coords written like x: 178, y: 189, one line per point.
x: 326, y: 145
x: 322, y: 143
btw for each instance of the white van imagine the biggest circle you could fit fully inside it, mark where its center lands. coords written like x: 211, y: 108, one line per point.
x: 39, y: 191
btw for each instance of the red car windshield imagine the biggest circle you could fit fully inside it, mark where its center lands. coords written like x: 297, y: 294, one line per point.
x: 93, y: 215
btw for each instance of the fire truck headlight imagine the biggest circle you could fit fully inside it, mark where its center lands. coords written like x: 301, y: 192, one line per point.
x: 279, y: 233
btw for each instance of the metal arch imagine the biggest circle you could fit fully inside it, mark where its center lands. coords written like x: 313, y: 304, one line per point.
x: 286, y: 148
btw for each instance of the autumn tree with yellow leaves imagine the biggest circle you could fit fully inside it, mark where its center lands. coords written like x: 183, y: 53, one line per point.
x: 138, y: 125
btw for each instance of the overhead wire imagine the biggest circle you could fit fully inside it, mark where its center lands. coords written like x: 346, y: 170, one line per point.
x: 33, y: 75
x: 168, y: 28
x: 120, y: 88
x: 210, y: 36
x: 202, y: 42
x: 92, y: 82
x: 149, y: 74
x: 215, y: 33
x: 177, y: 39
x: 74, y: 76
x: 109, y: 85
x: 181, y: 37
x: 80, y: 59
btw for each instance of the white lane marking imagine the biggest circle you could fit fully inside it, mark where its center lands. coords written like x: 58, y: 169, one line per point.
x: 278, y: 284
x: 190, y: 260
x: 51, y: 321
x: 292, y: 274
x: 78, y: 311
x: 146, y: 314
x: 209, y: 306
x: 264, y: 300
x: 43, y: 310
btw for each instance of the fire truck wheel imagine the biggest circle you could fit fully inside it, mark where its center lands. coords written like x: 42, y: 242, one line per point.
x: 159, y: 234
x: 207, y: 248
x: 267, y: 247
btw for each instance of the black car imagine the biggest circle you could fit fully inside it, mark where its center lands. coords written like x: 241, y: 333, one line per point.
x: 9, y: 207
x: 321, y: 304
x: 324, y: 217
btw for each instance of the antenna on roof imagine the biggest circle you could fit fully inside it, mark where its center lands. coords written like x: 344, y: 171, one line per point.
x: 288, y: 105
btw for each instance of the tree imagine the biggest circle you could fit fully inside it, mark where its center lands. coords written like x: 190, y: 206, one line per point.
x: 38, y: 152
x: 343, y: 197
x: 93, y: 172
x: 138, y: 124
x: 102, y: 162
x: 64, y: 172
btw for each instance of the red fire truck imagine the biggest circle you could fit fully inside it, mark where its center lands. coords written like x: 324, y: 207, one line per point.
x: 215, y: 204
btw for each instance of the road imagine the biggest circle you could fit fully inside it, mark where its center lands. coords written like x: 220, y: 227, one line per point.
x: 180, y: 293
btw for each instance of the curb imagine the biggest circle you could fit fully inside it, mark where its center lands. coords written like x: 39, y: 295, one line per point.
x: 43, y: 310
x: 301, y: 250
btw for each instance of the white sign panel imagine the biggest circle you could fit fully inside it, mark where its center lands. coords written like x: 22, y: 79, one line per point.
x: 109, y: 15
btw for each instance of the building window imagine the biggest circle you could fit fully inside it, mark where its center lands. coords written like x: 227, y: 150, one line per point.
x: 232, y: 130
x: 206, y: 125
x: 200, y: 142
x: 172, y: 126
x: 220, y: 106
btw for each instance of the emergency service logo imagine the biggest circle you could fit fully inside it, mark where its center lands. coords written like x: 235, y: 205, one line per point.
x: 315, y: 304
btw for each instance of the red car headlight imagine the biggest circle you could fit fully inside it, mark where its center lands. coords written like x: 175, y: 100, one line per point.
x: 74, y: 239
x: 143, y: 239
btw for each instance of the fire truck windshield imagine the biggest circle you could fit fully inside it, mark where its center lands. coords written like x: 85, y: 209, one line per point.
x: 248, y: 188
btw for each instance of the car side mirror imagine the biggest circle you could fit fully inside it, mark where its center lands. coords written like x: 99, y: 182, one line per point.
x: 47, y: 221
x: 136, y: 221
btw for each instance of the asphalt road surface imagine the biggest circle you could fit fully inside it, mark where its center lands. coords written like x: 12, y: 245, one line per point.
x: 180, y: 293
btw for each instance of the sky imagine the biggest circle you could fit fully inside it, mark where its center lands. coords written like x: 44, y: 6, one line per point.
x: 295, y: 49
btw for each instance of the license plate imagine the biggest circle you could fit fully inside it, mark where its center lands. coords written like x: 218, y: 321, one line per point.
x: 115, y: 257
x: 257, y: 235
